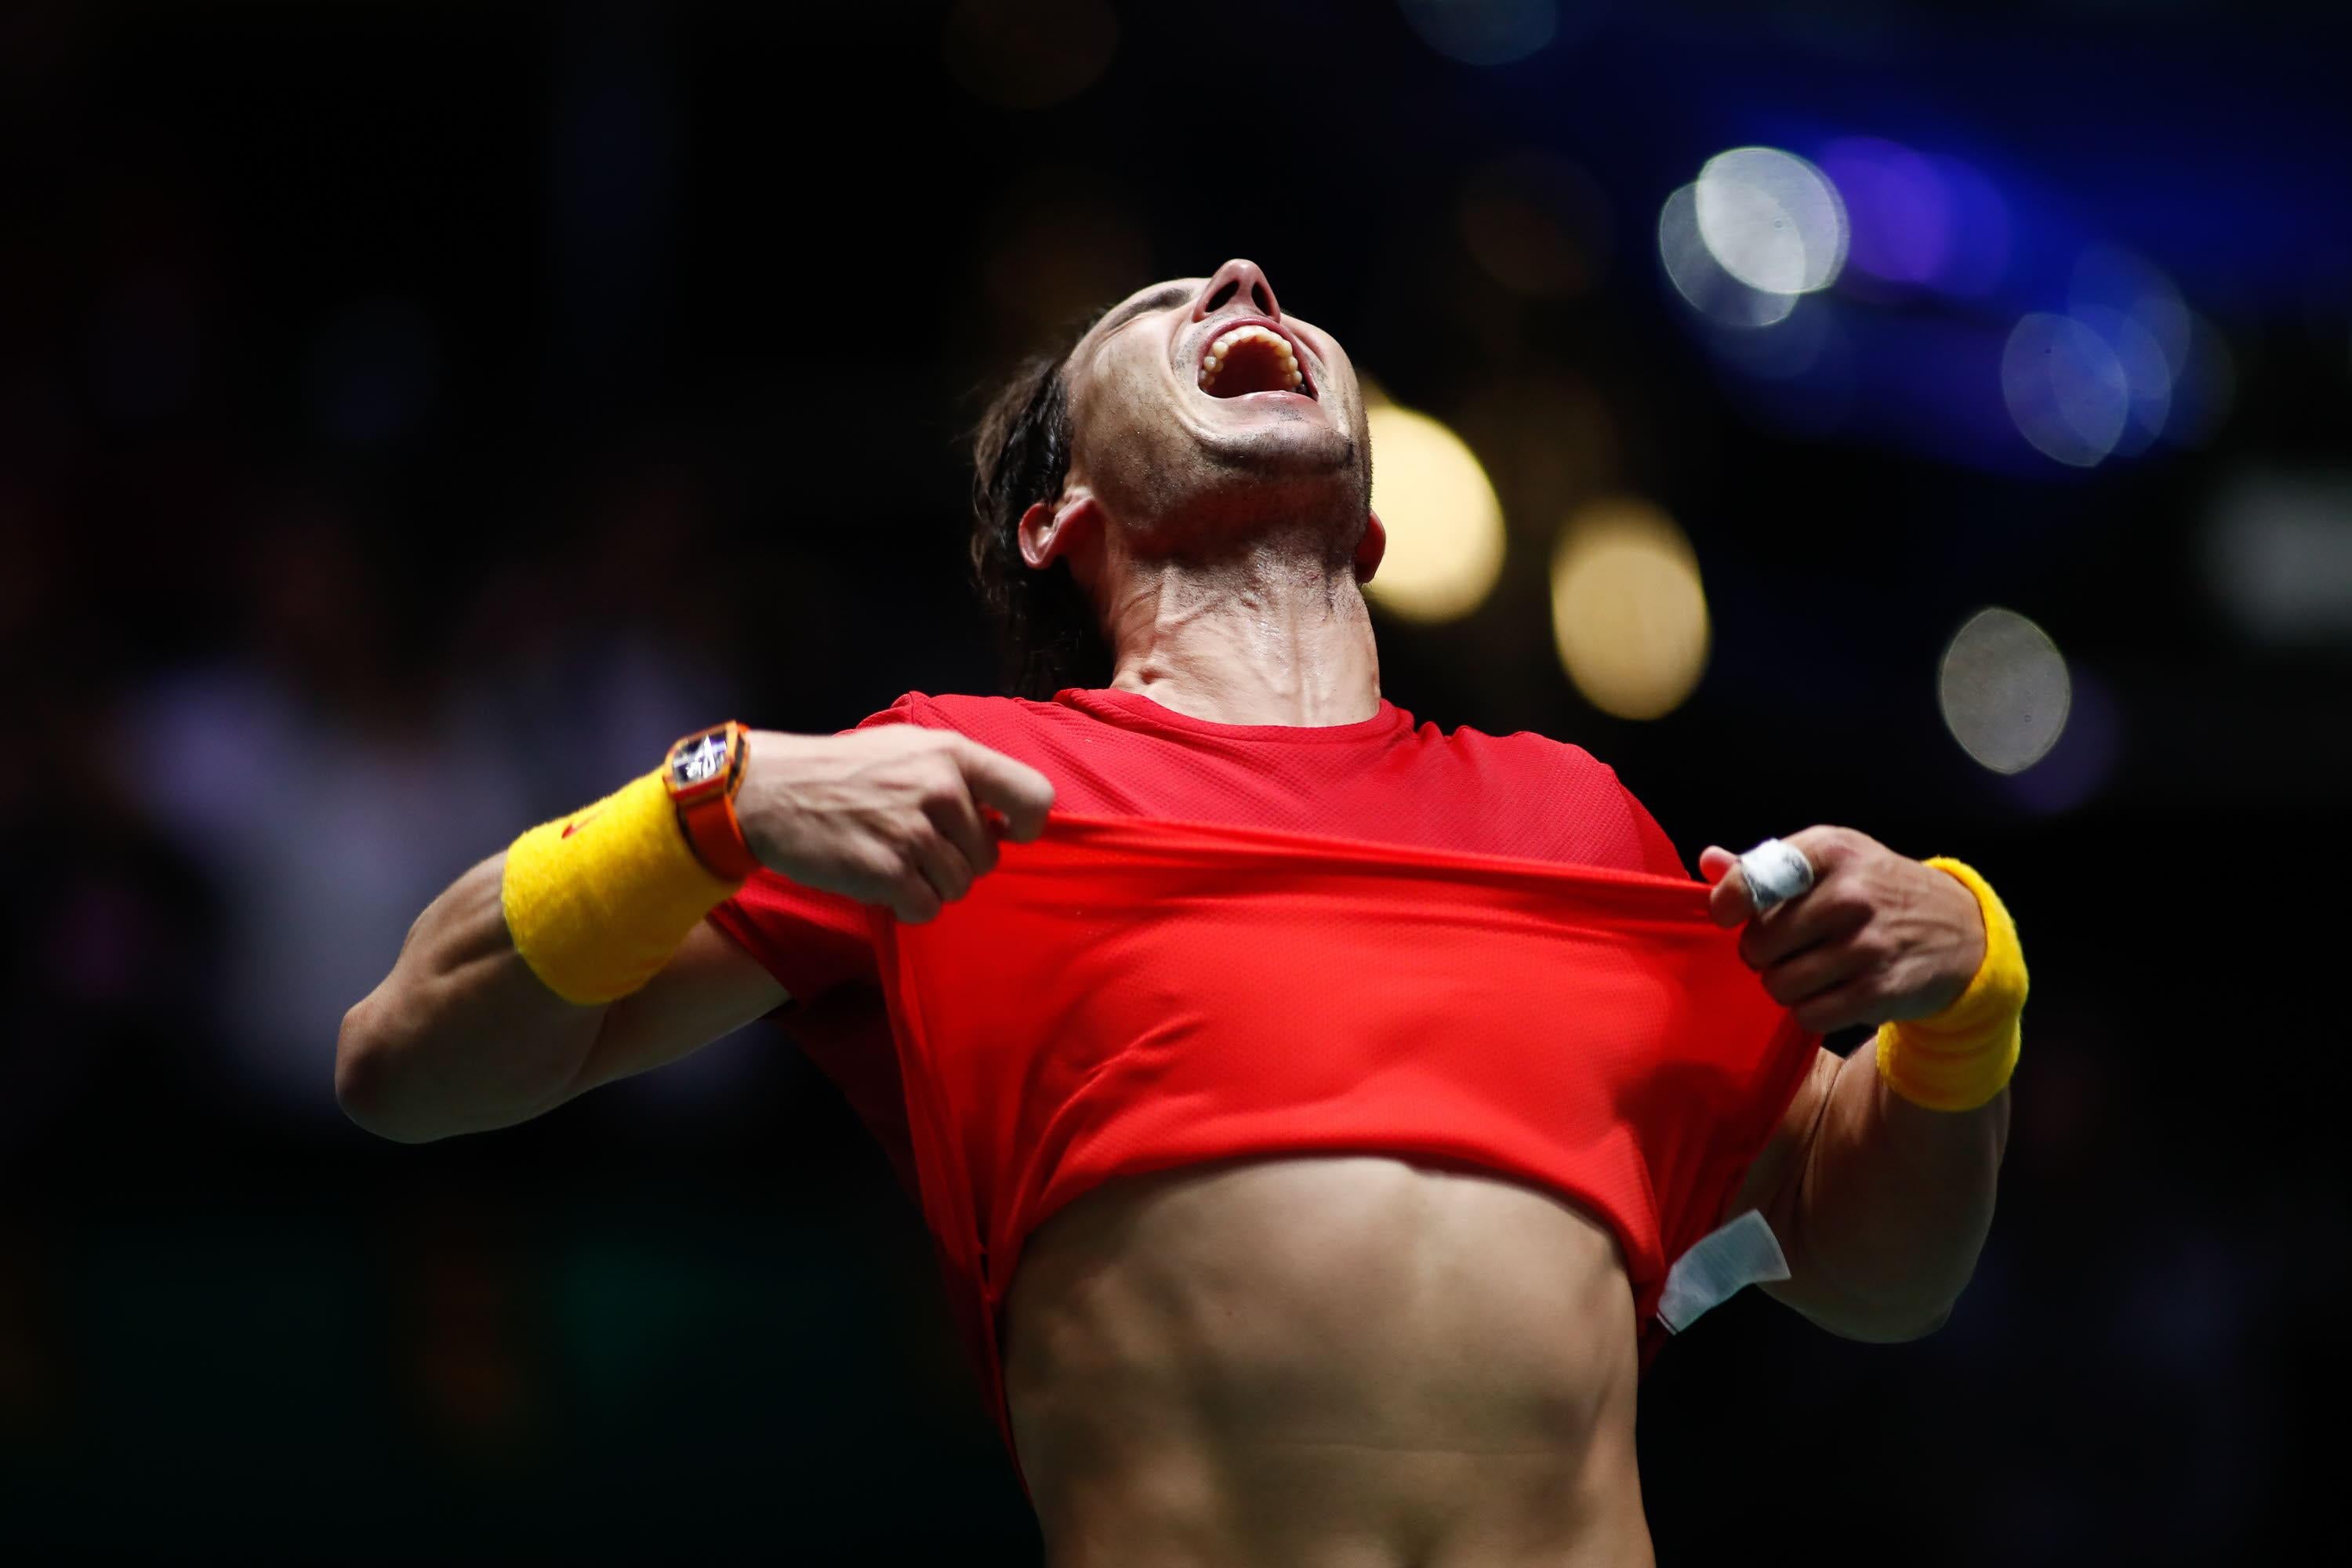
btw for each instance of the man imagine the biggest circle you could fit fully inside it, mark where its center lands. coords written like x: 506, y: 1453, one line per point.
x: 1324, y: 1354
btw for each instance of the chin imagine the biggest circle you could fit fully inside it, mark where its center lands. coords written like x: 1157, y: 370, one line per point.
x: 1320, y: 490
x: 1285, y: 443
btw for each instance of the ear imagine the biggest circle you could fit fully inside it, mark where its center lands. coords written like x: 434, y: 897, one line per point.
x: 1371, y: 548
x: 1048, y: 532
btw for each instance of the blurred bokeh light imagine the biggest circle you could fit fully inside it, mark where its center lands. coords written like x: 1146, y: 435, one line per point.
x: 2004, y: 690
x: 1701, y: 281
x: 2278, y: 555
x: 1900, y: 215
x: 1771, y: 220
x: 2066, y: 389
x: 1918, y: 219
x: 2081, y: 761
x: 1628, y: 613
x: 1547, y: 437
x: 1444, y: 525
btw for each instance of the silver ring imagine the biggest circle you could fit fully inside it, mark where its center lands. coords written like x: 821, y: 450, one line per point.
x: 1777, y: 871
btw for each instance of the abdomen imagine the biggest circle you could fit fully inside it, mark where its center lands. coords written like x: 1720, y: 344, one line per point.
x: 1342, y: 1360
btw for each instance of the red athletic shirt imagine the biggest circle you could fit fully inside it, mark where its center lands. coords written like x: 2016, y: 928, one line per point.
x: 1384, y: 780
x: 1258, y: 939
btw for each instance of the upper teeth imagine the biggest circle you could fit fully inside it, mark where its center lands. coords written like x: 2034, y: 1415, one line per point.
x: 1215, y: 358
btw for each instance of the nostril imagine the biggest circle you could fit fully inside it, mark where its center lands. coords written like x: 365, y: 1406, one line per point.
x: 1217, y: 300
x: 1264, y: 299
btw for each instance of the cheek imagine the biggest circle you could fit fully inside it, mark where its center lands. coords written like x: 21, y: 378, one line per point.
x: 1117, y: 398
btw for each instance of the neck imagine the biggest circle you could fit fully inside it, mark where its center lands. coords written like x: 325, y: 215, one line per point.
x: 1273, y: 633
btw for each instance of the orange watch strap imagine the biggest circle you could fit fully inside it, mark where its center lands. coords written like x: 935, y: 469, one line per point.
x: 711, y: 827
x: 717, y: 838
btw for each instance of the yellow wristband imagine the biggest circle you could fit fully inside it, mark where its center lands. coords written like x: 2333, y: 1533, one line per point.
x: 1960, y: 1058
x: 597, y: 901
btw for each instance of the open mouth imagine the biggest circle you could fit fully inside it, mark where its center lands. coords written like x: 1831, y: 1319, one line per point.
x: 1252, y: 357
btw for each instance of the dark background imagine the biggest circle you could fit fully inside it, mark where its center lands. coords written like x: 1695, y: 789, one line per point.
x: 414, y: 416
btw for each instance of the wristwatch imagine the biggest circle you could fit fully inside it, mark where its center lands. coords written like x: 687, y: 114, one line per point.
x: 703, y: 772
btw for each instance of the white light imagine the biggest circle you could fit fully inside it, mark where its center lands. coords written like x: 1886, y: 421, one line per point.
x: 2004, y: 690
x: 1444, y: 525
x: 2065, y: 388
x: 1701, y: 279
x: 1628, y: 613
x: 1771, y: 220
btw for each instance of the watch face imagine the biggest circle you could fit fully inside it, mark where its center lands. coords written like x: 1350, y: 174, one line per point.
x: 699, y: 762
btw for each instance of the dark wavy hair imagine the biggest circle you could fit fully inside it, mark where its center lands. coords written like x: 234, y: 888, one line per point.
x: 1047, y: 625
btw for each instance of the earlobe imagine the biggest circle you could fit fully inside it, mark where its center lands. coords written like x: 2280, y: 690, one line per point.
x: 1371, y: 548
x: 1048, y: 532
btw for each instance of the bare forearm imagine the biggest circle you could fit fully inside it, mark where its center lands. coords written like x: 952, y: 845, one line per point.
x: 460, y: 1036
x: 1893, y: 1206
x: 464, y: 1035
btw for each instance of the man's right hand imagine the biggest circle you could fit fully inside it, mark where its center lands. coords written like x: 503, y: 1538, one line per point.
x: 887, y: 815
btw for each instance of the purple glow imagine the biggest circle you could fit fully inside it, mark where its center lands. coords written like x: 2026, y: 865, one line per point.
x: 1900, y: 212
x: 1919, y: 219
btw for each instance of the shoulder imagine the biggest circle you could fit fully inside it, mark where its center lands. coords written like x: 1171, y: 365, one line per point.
x: 1559, y: 763
x: 1010, y: 724
x: 956, y: 710
x: 1597, y: 819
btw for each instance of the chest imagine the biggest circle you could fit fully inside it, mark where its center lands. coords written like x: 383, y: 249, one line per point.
x: 1432, y: 798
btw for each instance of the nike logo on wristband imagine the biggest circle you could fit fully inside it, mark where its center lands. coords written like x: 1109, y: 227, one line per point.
x: 577, y: 823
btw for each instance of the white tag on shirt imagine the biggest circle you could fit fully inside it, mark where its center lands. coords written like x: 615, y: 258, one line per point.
x: 1717, y: 1266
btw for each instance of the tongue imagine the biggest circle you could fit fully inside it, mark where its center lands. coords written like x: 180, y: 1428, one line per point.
x: 1254, y: 365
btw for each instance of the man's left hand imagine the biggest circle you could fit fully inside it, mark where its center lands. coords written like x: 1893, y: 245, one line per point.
x: 1878, y: 937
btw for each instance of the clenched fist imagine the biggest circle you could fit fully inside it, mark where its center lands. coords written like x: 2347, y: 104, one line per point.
x: 897, y: 815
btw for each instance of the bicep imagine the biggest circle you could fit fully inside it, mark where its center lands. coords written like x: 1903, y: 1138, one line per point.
x: 710, y: 988
x: 1770, y: 1183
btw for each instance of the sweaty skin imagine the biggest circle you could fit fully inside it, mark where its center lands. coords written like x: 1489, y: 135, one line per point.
x: 1317, y: 1362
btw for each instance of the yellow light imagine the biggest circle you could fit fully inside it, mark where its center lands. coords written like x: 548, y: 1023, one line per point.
x: 1627, y: 610
x: 1444, y: 525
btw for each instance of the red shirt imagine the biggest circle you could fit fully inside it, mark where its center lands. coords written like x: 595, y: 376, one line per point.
x: 1384, y: 780
x: 1262, y: 940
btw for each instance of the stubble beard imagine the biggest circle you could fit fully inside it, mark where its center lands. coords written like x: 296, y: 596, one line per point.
x: 1250, y: 498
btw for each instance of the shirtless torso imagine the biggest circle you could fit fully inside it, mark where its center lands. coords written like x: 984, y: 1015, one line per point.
x: 1332, y: 1362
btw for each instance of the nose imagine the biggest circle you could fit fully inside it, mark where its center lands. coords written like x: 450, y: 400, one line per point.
x: 1236, y: 278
